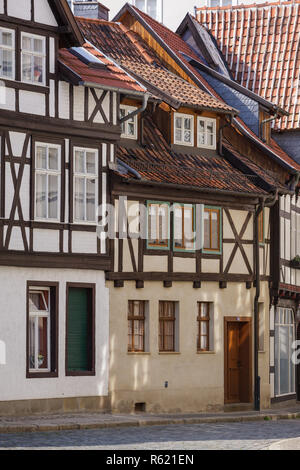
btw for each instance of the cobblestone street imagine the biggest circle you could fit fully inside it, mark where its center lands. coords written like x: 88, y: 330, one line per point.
x: 221, y: 436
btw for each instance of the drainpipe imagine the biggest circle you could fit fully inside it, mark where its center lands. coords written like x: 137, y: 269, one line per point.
x: 137, y: 111
x: 262, y: 204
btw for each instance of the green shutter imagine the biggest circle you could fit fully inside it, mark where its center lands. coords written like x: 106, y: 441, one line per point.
x: 78, y: 330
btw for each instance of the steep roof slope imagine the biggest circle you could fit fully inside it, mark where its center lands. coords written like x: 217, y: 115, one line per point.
x: 260, y: 43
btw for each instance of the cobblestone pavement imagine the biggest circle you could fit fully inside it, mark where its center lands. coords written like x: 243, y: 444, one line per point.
x: 239, y: 436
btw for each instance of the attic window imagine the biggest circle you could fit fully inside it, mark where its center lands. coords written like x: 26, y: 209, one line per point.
x: 206, y: 133
x: 129, y: 127
x: 87, y: 58
x: 183, y: 129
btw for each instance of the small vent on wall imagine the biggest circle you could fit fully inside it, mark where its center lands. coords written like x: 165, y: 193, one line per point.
x: 139, y: 407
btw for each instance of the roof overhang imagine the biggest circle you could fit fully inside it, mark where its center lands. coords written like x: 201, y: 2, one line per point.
x: 67, y: 26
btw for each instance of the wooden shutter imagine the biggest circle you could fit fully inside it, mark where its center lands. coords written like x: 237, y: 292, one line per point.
x: 79, y: 331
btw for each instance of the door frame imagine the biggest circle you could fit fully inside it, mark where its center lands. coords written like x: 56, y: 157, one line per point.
x: 228, y: 320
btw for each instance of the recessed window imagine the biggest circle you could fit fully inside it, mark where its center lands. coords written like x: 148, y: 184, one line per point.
x: 85, y: 185
x: 212, y: 229
x: 167, y: 326
x: 284, y: 339
x: 7, y: 53
x: 183, y: 129
x: 47, y: 181
x: 158, y: 225
x: 130, y: 127
x: 42, y: 329
x: 184, y: 227
x: 204, y: 319
x: 136, y: 325
x: 206, y: 133
x: 33, y: 59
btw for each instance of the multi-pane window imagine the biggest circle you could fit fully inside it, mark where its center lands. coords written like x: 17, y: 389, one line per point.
x: 183, y: 129
x: 39, y: 329
x: 85, y: 185
x: 212, y: 229
x: 136, y: 326
x: 7, y: 53
x: 158, y: 225
x: 167, y: 323
x: 203, y: 319
x: 33, y: 59
x: 206, y: 132
x: 130, y: 127
x: 47, y: 181
x: 184, y: 227
x: 284, y: 338
x: 153, y: 8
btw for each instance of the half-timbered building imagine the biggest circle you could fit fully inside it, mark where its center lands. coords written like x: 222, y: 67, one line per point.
x: 58, y: 131
x: 179, y: 312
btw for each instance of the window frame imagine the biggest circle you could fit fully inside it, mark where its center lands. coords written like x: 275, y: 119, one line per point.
x: 13, y: 49
x: 210, y: 250
x: 207, y: 121
x: 158, y: 9
x: 152, y: 246
x: 141, y: 318
x: 163, y: 320
x: 183, y: 248
x: 279, y: 324
x: 33, y: 54
x: 184, y: 116
x: 129, y: 109
x: 52, y: 335
x: 206, y: 320
x: 48, y: 172
x: 86, y: 176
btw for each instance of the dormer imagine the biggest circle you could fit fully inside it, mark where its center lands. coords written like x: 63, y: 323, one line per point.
x: 194, y: 130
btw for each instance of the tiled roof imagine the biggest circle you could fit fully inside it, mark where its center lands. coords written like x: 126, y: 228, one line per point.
x: 130, y: 51
x: 111, y: 75
x: 156, y: 162
x: 260, y: 43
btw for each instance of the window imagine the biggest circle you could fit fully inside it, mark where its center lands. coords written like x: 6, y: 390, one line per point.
x: 85, y: 185
x: 212, y: 229
x: 158, y: 225
x: 33, y: 59
x: 80, y: 334
x: 261, y: 326
x: 167, y: 324
x: 206, y: 132
x: 184, y: 227
x: 47, y: 181
x: 129, y: 128
x: 183, y: 129
x: 7, y: 53
x: 284, y: 338
x: 204, y: 326
x: 261, y: 229
x: 153, y: 8
x: 42, y: 329
x: 136, y: 325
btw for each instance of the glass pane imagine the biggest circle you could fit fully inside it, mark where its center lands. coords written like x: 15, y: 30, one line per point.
x: 43, y: 343
x: 34, y: 302
x: 284, y: 360
x: 131, y: 130
x: 26, y: 43
x: 178, y: 123
x: 38, y: 45
x: 41, y: 158
x: 206, y: 230
x: 90, y: 200
x: 203, y: 342
x: 178, y: 135
x: 79, y: 161
x: 38, y: 69
x: 187, y: 123
x: 129, y: 335
x: 204, y: 309
x: 163, y: 225
x: 204, y: 328
x: 188, y: 228
x: 140, y: 4
x: 7, y: 64
x: 53, y: 158
x: 32, y: 343
x: 136, y: 308
x: 40, y: 196
x: 79, y: 198
x: 91, y: 162
x: 210, y: 128
x: 26, y: 67
x: 7, y: 39
x: 215, y: 231
x: 53, y: 196
x: 152, y: 8
x: 187, y: 136
x: 178, y: 236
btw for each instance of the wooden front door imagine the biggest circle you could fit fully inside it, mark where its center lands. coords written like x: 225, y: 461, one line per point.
x: 237, y: 361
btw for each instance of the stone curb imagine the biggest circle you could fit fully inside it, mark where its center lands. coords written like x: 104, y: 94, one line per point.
x: 15, y: 429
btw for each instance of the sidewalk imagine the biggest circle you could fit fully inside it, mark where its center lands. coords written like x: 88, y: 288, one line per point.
x: 59, y: 422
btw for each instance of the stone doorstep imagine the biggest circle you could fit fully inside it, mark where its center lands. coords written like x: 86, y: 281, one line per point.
x: 80, y: 422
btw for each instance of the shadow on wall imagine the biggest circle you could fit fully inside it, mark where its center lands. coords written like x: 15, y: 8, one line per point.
x: 2, y: 353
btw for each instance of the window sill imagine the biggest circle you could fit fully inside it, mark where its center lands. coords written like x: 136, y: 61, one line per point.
x: 172, y: 353
x: 138, y: 353
x: 206, y: 352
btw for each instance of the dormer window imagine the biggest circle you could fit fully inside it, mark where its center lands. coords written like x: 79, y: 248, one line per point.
x: 7, y: 53
x: 183, y: 129
x: 33, y: 59
x: 206, y: 132
x: 129, y: 127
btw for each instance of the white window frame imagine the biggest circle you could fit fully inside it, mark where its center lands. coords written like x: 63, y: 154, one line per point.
x: 44, y: 314
x: 48, y: 172
x: 278, y: 324
x: 86, y: 176
x: 13, y: 50
x: 34, y: 54
x: 184, y: 116
x: 206, y: 122
x: 125, y: 133
x: 159, y: 9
